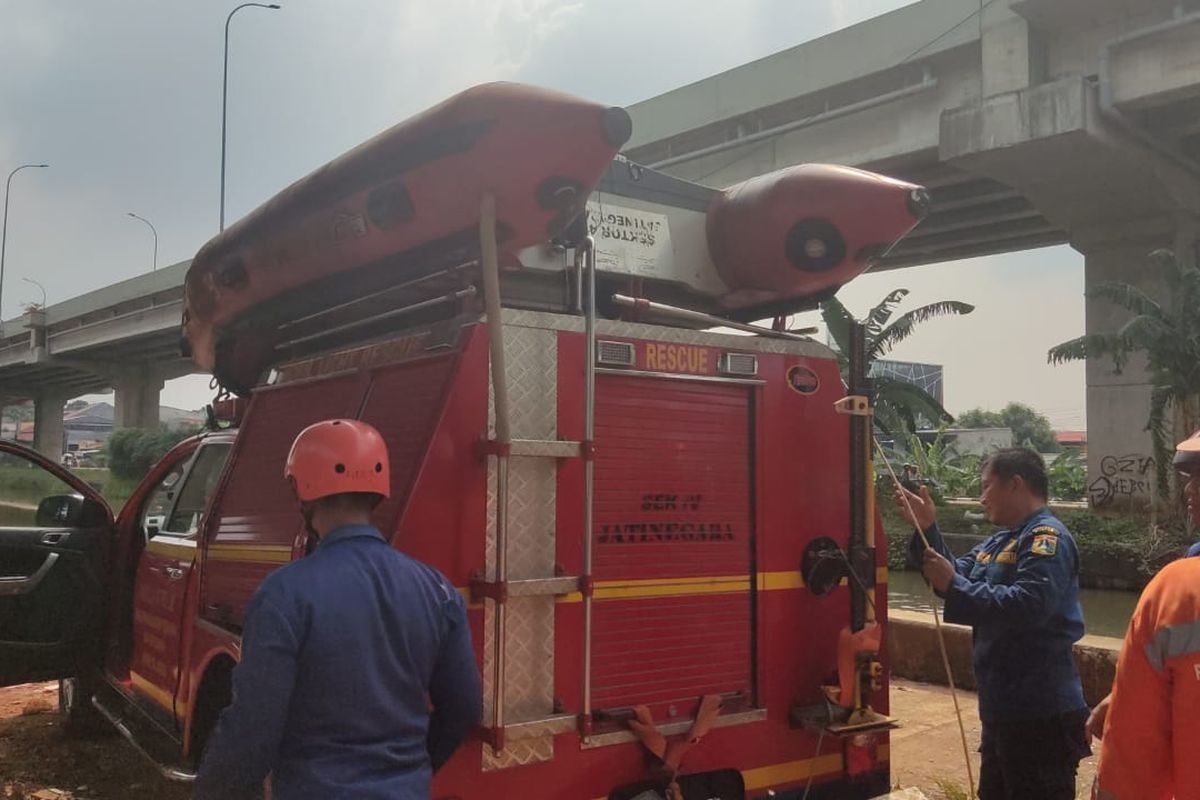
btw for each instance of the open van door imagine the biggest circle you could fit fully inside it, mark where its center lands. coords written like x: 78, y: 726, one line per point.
x: 55, y: 534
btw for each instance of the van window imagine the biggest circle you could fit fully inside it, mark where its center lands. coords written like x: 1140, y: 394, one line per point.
x: 24, y: 484
x: 198, y: 488
x: 158, y: 504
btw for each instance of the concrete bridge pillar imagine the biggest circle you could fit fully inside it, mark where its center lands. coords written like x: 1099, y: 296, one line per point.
x: 1121, y: 470
x: 48, y: 423
x: 1012, y: 56
x: 137, y: 398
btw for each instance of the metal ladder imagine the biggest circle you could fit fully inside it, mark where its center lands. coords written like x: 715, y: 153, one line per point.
x: 504, y: 737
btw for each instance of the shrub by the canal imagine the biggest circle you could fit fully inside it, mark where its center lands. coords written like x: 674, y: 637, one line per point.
x: 1115, y: 552
x: 132, y: 452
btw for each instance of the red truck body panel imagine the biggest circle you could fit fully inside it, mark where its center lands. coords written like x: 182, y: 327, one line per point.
x: 707, y: 492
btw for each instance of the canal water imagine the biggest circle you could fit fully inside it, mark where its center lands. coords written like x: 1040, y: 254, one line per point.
x: 1105, y: 612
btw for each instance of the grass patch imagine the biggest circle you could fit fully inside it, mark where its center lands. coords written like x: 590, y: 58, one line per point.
x: 25, y: 484
x: 113, y: 489
x: 951, y: 790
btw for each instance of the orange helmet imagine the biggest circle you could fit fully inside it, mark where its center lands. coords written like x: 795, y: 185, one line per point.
x: 337, y: 456
x: 1187, y: 454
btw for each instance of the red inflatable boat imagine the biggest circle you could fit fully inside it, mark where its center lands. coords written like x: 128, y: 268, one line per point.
x: 413, y: 186
x: 806, y: 230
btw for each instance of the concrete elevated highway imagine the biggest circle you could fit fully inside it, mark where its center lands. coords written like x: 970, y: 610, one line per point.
x: 123, y: 337
x: 1033, y: 122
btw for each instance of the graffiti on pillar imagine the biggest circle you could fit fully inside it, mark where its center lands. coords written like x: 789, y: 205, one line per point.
x: 1126, y: 476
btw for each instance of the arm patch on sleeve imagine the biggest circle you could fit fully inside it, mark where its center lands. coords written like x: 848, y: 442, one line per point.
x: 1044, y: 544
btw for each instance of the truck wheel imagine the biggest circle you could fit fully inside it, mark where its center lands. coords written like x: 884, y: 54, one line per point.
x: 80, y: 719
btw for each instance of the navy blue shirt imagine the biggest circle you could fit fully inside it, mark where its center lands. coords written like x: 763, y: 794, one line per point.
x: 1194, y: 550
x: 343, y: 655
x: 1019, y: 592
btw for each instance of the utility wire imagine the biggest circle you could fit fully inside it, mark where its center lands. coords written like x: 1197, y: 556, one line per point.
x: 941, y: 637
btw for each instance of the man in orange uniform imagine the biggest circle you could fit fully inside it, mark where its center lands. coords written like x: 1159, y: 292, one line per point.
x: 1152, y: 733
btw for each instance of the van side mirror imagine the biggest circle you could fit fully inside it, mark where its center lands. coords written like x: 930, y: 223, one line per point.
x: 69, y: 511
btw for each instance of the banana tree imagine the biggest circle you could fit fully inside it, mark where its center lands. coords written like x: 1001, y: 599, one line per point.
x: 1168, y: 334
x: 899, y: 405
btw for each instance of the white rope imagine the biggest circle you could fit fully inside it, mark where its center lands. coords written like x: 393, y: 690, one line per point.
x: 937, y: 622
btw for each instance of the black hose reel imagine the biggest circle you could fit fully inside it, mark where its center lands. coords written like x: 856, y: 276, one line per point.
x: 825, y: 564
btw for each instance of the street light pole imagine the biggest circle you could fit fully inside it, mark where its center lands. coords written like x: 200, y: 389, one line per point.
x: 225, y: 94
x: 4, y: 233
x: 154, y: 263
x: 43, y: 288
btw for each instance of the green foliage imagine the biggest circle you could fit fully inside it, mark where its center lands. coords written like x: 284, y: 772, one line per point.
x: 1129, y: 540
x: 953, y: 474
x: 113, y: 489
x: 131, y: 452
x: 1168, y: 335
x: 951, y: 790
x: 899, y: 406
x: 1121, y: 552
x: 18, y: 412
x: 1068, y: 476
x: 897, y: 530
x: 1030, y: 428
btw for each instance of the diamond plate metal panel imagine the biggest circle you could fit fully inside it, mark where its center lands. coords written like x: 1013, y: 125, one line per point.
x: 529, y: 677
x: 531, y: 365
x: 541, y: 448
x: 520, y: 753
x: 531, y: 499
x: 663, y: 333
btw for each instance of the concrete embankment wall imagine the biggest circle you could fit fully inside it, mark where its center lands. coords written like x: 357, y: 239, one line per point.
x: 914, y: 654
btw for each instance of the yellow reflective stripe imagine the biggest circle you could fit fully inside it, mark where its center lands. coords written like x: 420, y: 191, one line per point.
x: 775, y: 581
x: 157, y: 694
x: 671, y: 587
x: 795, y: 771
x: 183, y: 549
x: 273, y: 554
x: 792, y: 771
x: 684, y: 587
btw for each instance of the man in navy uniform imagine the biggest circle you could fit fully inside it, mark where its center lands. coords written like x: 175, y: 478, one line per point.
x: 1019, y: 592
x: 358, y: 678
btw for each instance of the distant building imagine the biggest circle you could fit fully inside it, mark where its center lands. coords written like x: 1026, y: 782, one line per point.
x: 177, y: 418
x: 923, y: 376
x: 1072, y: 440
x: 972, y: 441
x: 89, y: 427
x: 91, y: 423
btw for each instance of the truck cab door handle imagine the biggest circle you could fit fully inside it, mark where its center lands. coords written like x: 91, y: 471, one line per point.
x: 24, y: 585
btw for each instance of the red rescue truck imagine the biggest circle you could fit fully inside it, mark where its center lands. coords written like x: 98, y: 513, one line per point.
x: 643, y: 512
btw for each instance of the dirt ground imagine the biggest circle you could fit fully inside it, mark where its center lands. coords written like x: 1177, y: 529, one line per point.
x: 38, y: 763
x: 927, y: 749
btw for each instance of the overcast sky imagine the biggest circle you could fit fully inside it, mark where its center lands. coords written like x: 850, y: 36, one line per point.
x: 122, y: 98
